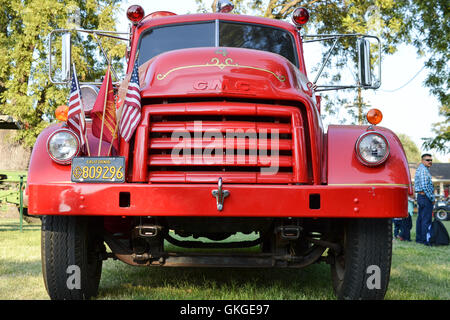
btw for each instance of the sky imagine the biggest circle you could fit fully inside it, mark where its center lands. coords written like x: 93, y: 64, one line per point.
x: 410, y: 110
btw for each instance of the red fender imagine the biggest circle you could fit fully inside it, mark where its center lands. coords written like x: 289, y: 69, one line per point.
x: 344, y: 168
x: 43, y: 169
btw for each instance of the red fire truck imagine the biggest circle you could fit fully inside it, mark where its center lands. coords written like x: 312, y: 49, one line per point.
x: 230, y: 141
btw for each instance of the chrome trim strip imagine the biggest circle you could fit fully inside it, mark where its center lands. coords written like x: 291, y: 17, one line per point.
x: 217, y: 39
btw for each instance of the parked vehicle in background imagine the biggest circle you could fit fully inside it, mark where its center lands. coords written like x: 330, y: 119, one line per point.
x: 441, y: 209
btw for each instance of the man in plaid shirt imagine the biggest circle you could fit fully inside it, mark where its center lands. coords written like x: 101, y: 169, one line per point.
x: 425, y: 199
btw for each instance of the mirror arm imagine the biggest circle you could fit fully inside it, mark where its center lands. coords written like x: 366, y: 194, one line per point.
x: 326, y: 60
x: 50, y: 59
x: 329, y: 88
x: 336, y: 37
x: 106, y: 56
x: 96, y: 33
x: 378, y: 83
x: 111, y: 36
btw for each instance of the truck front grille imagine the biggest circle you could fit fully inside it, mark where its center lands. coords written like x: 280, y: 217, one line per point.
x: 202, y: 141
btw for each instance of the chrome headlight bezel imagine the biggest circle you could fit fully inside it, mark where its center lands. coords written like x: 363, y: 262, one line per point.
x: 74, y: 153
x: 364, y: 160
x: 89, y: 95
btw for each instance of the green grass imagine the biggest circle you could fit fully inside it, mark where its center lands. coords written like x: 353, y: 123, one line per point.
x: 20, y: 261
x: 418, y: 273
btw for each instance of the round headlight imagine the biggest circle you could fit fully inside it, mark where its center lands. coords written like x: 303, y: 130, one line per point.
x: 372, y: 148
x: 63, y: 145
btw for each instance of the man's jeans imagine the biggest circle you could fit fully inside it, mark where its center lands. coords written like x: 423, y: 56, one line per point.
x: 424, y: 218
x: 397, y: 226
x: 405, y: 229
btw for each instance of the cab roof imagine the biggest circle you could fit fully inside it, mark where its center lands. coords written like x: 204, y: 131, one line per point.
x: 149, y: 20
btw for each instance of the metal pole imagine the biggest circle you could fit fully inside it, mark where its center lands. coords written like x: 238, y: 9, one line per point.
x: 21, y: 202
x: 326, y: 60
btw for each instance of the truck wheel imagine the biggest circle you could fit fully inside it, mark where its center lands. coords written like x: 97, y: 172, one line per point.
x: 362, y: 269
x: 71, y: 249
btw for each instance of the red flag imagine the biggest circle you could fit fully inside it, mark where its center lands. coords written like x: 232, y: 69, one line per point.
x: 105, y: 112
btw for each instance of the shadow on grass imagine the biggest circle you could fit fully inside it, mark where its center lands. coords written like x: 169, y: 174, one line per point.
x: 15, y: 226
x: 123, y: 282
x: 126, y: 282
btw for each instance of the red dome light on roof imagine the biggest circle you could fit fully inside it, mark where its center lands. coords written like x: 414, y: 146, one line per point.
x: 135, y: 13
x: 300, y: 16
x: 225, y: 6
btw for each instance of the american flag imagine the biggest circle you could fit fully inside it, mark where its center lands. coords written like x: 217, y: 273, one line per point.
x: 131, y: 114
x: 75, y: 118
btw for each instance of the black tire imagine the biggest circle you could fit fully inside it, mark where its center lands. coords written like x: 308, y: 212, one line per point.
x: 441, y: 214
x: 67, y: 242
x: 362, y: 270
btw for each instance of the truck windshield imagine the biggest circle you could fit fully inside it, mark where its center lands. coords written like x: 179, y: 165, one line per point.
x: 230, y: 34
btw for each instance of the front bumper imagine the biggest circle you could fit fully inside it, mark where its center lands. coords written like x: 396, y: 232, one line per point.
x: 355, y: 201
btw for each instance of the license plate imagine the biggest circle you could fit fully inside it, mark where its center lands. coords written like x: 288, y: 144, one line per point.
x: 98, y: 169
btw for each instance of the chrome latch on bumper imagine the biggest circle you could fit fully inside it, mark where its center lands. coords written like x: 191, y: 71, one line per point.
x: 220, y: 195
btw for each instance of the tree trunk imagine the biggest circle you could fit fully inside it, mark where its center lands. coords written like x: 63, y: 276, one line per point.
x: 214, y: 6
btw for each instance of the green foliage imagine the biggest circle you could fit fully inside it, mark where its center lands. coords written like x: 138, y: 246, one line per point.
x: 383, y: 18
x: 25, y: 90
x: 431, y: 22
x: 422, y: 23
x: 441, y: 140
x: 411, y: 149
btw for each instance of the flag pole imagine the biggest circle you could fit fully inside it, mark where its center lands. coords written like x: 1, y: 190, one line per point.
x: 83, y: 116
x: 83, y: 119
x: 104, y: 110
x: 116, y: 129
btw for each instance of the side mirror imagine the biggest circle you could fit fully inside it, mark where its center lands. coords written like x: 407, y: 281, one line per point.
x: 66, y: 48
x: 365, y: 75
x: 366, y: 79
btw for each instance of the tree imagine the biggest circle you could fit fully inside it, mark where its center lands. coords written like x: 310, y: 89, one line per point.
x: 25, y: 91
x: 383, y: 18
x: 412, y: 151
x: 431, y: 36
x: 422, y: 23
x: 358, y: 109
x: 441, y: 140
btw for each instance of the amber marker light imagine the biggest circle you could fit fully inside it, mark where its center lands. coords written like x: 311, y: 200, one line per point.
x: 374, y: 116
x: 61, y: 113
x: 135, y: 13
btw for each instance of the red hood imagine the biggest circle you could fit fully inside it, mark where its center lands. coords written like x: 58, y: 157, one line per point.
x: 232, y: 72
